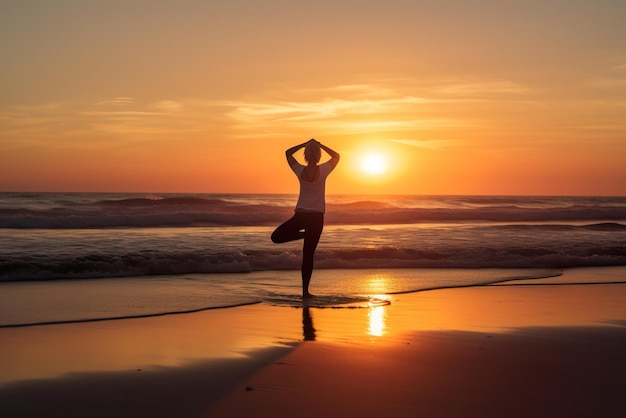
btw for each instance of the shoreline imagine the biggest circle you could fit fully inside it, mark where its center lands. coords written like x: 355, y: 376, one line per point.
x: 272, y: 360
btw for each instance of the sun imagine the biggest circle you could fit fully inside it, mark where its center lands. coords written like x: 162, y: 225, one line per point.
x: 374, y: 164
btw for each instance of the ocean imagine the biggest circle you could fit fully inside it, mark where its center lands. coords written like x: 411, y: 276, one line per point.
x: 88, y: 256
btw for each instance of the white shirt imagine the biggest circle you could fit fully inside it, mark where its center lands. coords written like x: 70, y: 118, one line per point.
x: 312, y: 193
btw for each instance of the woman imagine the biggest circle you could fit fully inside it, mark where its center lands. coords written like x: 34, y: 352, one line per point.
x: 308, y: 219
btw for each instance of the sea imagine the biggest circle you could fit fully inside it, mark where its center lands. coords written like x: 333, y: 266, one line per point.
x: 68, y: 257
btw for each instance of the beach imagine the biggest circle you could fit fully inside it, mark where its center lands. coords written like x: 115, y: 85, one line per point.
x: 549, y: 347
x: 332, y: 209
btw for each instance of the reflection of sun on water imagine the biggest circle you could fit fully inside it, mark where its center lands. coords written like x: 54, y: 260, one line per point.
x: 377, y: 321
x: 377, y: 286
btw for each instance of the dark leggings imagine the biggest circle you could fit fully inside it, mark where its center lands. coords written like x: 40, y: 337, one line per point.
x: 307, y: 225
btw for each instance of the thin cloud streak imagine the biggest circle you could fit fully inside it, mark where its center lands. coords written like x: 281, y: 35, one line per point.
x: 432, y: 144
x: 476, y: 89
x: 73, y: 124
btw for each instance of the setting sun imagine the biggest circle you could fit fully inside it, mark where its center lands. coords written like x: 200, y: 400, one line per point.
x: 374, y: 164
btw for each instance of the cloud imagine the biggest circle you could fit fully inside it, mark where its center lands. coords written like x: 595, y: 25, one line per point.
x: 386, y: 107
x: 479, y: 89
x: 355, y: 90
x: 379, y: 105
x: 621, y: 67
x: 101, y: 123
x: 117, y: 101
x: 330, y: 107
x: 350, y: 110
x: 433, y: 144
x: 168, y: 106
x: 120, y: 113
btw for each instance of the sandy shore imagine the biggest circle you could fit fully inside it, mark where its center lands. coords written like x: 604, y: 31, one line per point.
x: 496, y: 351
x: 552, y: 372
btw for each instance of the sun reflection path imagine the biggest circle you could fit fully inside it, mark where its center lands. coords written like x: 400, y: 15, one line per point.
x: 377, y: 321
x: 377, y: 286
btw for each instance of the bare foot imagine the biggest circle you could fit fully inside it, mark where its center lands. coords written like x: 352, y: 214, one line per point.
x: 307, y: 295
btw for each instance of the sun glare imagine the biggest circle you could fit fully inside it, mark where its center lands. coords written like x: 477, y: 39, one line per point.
x: 373, y: 164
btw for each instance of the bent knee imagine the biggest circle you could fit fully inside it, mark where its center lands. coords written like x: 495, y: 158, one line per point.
x: 276, y: 238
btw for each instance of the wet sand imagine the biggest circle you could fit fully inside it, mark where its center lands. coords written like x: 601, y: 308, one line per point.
x: 526, y: 350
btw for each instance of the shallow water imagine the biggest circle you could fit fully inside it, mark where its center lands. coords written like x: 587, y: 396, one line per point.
x: 84, y: 300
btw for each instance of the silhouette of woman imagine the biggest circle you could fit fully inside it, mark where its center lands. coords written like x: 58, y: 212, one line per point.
x: 308, y: 220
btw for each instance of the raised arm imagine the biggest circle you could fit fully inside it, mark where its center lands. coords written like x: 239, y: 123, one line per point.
x: 334, y: 155
x: 289, y: 153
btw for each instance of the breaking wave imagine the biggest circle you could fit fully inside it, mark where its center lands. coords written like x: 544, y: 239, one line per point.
x: 200, y: 211
x: 185, y: 262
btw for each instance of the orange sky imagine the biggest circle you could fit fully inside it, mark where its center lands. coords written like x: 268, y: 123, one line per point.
x: 460, y: 97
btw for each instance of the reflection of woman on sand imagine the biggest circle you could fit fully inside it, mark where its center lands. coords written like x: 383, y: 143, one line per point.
x: 308, y: 219
x: 308, y: 330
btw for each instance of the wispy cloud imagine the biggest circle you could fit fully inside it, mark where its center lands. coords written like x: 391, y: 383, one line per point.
x: 434, y: 144
x: 101, y: 123
x: 353, y: 90
x: 325, y: 108
x: 404, y: 112
x: 354, y: 108
x: 620, y: 67
x: 374, y: 108
x: 479, y: 89
x: 169, y: 106
x: 343, y: 103
x: 117, y: 101
x: 122, y: 113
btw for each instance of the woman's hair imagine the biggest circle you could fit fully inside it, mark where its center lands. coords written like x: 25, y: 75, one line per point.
x: 312, y: 152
